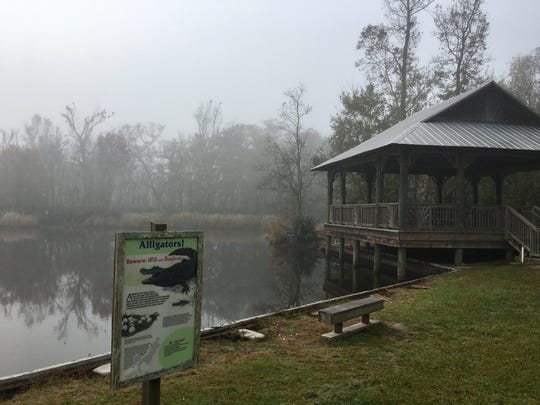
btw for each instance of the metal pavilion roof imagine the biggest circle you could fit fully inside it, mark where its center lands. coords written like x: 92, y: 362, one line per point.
x: 425, y: 129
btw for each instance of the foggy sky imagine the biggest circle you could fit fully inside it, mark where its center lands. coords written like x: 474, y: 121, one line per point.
x: 156, y: 61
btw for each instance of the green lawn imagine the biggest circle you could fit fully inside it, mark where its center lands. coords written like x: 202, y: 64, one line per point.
x: 473, y: 337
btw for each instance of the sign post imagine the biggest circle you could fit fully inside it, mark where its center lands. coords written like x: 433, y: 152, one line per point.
x: 156, y: 307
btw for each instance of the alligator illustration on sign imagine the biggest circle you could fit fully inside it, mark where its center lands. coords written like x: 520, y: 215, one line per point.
x: 177, y: 274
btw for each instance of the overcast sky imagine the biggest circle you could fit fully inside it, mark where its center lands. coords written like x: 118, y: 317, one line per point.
x: 156, y: 61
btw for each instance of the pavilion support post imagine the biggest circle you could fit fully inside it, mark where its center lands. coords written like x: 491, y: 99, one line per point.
x: 499, y: 181
x: 474, y: 182
x: 439, y: 182
x: 376, y: 259
x: 328, y: 246
x: 369, y: 188
x: 379, y: 185
x: 403, y: 188
x: 330, y: 201
x: 330, y: 194
x: 356, y: 254
x: 458, y: 256
x: 356, y: 265
x: 460, y: 191
x: 342, y: 189
x: 341, y: 251
x: 402, y: 264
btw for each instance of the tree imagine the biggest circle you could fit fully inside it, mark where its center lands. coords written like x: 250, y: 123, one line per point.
x: 389, y: 57
x: 524, y: 79
x: 81, y: 134
x: 524, y: 82
x: 364, y: 114
x: 47, y: 139
x: 140, y: 144
x: 203, y: 151
x: 291, y: 153
x: 462, y: 29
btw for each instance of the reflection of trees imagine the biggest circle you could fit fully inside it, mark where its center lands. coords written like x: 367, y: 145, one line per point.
x: 291, y: 262
x: 246, y: 277
x: 76, y: 292
x: 234, y: 277
x: 57, y: 272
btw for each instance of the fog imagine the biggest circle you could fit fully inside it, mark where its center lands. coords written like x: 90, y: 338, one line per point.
x: 157, y: 61
x: 142, y: 72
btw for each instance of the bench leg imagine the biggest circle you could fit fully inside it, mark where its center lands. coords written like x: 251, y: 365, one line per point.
x: 338, y: 327
x: 365, y: 319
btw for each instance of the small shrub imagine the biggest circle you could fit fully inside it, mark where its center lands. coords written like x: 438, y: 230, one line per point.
x: 275, y: 231
x: 302, y: 230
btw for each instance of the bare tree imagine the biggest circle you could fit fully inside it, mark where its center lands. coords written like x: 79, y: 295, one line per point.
x: 291, y: 157
x: 462, y: 29
x: 81, y: 134
x: 141, y: 140
x: 8, y: 138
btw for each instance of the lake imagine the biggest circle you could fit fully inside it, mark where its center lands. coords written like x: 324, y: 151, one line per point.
x: 56, y: 288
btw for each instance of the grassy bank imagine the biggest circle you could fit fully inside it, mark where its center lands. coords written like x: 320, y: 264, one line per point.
x: 184, y: 220
x: 472, y: 336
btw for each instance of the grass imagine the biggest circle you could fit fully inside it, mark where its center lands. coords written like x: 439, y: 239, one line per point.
x: 15, y: 219
x: 472, y: 337
x: 182, y: 220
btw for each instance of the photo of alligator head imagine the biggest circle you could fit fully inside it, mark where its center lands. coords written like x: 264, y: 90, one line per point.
x: 177, y: 274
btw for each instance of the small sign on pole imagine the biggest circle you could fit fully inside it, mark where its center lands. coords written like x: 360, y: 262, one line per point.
x: 156, y: 306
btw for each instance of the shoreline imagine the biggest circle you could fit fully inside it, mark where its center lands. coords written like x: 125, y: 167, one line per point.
x: 20, y: 380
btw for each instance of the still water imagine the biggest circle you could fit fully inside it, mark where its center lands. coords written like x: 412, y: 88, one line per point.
x: 56, y: 289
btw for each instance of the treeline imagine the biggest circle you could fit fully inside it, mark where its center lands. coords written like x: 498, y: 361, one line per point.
x: 71, y: 173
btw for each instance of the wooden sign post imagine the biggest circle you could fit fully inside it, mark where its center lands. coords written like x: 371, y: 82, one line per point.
x: 156, y: 307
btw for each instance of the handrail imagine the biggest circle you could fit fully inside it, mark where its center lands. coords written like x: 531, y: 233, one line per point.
x: 523, y: 231
x: 532, y: 213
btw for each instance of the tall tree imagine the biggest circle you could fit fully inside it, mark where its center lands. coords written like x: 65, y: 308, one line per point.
x: 389, y: 57
x: 291, y: 152
x: 462, y: 30
x: 524, y: 79
x: 364, y: 114
x: 47, y: 139
x: 81, y: 133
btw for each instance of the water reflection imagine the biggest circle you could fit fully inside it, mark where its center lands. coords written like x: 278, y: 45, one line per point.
x: 292, y: 263
x: 54, y: 273
x: 342, y: 279
x: 56, y: 288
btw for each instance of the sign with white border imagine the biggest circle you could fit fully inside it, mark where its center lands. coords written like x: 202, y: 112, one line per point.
x: 157, y: 305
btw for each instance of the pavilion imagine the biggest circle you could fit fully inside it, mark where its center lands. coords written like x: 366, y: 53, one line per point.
x: 485, y: 132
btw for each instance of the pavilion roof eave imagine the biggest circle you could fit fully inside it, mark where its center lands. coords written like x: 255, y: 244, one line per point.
x: 432, y: 127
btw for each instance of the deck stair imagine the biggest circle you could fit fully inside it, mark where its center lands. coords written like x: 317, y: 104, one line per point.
x: 521, y: 229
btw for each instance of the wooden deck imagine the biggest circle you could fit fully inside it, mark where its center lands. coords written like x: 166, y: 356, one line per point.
x: 427, y: 226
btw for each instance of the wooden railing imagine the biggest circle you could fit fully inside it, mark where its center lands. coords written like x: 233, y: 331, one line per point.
x: 419, y: 217
x: 443, y: 217
x: 532, y: 214
x: 364, y: 215
x: 519, y: 229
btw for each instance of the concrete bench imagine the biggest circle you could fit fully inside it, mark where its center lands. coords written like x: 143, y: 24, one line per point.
x: 338, y: 314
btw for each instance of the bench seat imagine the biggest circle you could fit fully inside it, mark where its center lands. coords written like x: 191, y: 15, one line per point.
x: 338, y: 314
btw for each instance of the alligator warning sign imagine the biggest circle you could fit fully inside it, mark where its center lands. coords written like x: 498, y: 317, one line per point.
x: 157, y: 302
